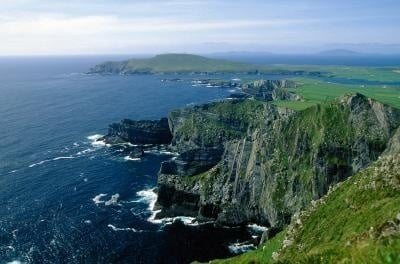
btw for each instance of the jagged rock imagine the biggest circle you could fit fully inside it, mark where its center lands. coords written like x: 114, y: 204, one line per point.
x: 269, y: 90
x: 139, y: 132
x: 192, y: 162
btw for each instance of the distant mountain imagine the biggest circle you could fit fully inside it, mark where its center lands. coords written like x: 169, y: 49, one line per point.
x: 339, y: 52
x: 173, y: 63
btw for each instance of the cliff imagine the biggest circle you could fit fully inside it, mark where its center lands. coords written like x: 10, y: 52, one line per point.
x: 358, y: 221
x: 248, y: 161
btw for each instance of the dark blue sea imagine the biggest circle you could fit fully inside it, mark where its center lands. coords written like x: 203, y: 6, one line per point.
x: 56, y: 183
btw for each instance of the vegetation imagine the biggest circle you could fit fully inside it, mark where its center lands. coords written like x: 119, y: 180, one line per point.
x: 315, y: 92
x: 181, y: 63
x: 220, y: 121
x: 357, y: 222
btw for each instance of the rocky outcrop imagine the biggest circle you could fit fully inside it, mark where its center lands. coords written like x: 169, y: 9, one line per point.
x: 269, y: 90
x: 144, y: 132
x: 273, y: 161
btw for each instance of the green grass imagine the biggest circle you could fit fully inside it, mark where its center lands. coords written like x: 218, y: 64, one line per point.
x: 316, y: 92
x: 382, y: 74
x: 356, y: 223
x: 181, y: 63
x: 350, y: 225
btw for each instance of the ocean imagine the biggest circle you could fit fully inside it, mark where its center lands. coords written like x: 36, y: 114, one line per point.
x: 55, y: 180
x: 67, y: 199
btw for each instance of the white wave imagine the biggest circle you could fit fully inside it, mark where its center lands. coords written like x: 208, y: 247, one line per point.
x: 60, y: 158
x: 88, y: 222
x: 186, y: 220
x: 83, y: 152
x: 48, y: 160
x: 38, y: 163
x: 257, y: 228
x: 15, y: 262
x: 94, y: 137
x: 13, y: 171
x: 96, y: 142
x: 113, y: 200
x: 237, y: 248
x: 122, y: 229
x: 150, y: 197
x: 76, y: 144
x: 97, y: 198
x: 128, y: 158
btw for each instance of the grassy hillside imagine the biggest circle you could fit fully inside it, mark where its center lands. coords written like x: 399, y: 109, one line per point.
x: 181, y: 63
x: 357, y: 222
x: 316, y: 91
x: 174, y: 63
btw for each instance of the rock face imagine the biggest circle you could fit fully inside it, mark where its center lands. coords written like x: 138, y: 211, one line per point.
x: 142, y: 132
x: 248, y: 161
x: 269, y: 90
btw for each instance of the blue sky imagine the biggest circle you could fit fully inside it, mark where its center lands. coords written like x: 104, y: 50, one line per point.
x: 37, y: 27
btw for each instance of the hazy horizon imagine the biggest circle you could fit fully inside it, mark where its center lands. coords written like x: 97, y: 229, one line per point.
x: 33, y: 27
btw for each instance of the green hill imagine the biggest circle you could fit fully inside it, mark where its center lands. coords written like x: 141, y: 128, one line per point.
x: 173, y: 63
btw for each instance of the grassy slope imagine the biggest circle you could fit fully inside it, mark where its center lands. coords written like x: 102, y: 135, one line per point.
x: 315, y: 91
x: 356, y: 223
x: 383, y: 74
x: 188, y: 63
x: 170, y: 63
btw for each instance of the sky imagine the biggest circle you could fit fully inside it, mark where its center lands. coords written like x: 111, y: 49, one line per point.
x: 73, y: 27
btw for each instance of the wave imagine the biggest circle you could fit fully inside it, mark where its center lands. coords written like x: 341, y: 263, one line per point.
x: 97, y: 198
x: 15, y: 262
x: 128, y: 158
x: 83, y: 152
x: 96, y: 142
x: 150, y: 197
x: 113, y: 200
x: 257, y: 228
x: 123, y: 229
x: 49, y: 160
x: 238, y: 248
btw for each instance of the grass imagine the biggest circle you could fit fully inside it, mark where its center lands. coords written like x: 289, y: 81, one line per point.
x: 355, y: 223
x: 315, y: 92
x: 352, y: 224
x: 181, y: 63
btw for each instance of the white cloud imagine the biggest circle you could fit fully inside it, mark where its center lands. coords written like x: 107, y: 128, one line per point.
x: 55, y: 33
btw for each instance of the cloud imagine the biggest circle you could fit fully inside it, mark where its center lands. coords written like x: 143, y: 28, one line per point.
x: 30, y: 33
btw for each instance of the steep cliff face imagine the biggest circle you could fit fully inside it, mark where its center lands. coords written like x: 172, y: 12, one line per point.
x: 271, y: 162
x: 139, y: 132
x: 269, y: 90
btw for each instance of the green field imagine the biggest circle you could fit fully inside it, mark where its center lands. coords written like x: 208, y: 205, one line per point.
x: 316, y: 91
